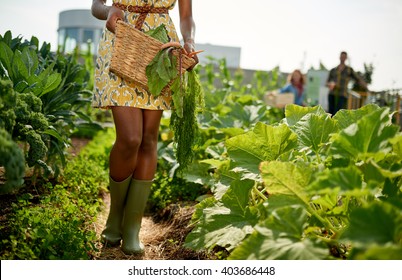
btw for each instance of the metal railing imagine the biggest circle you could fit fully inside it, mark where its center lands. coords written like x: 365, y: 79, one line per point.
x: 389, y: 98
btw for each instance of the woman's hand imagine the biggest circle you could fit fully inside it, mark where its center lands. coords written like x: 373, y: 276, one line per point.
x: 190, y: 48
x: 114, y: 15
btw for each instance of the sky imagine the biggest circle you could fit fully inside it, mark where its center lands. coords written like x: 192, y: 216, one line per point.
x: 291, y: 34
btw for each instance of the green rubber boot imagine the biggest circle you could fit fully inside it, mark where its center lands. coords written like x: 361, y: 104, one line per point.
x: 135, y: 205
x: 111, y: 235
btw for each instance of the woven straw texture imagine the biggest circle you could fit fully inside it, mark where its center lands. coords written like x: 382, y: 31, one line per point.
x: 133, y: 50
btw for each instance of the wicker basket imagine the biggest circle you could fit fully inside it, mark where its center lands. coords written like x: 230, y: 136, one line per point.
x: 133, y: 50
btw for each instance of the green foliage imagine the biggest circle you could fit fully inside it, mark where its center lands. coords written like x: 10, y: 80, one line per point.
x: 22, y: 116
x: 229, y: 109
x: 366, y: 77
x: 46, y: 100
x: 318, y: 183
x: 183, y: 120
x: 187, y: 96
x: 12, y: 158
x: 55, y: 229
x: 59, y: 223
x: 159, y: 33
x: 228, y: 220
x: 166, y: 190
x: 280, y: 236
x: 161, y: 71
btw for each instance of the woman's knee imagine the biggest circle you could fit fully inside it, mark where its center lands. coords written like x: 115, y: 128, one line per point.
x: 129, y: 143
x: 149, y: 141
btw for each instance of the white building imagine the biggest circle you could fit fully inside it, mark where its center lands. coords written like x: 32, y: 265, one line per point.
x: 316, y: 89
x: 232, y: 54
x: 78, y: 28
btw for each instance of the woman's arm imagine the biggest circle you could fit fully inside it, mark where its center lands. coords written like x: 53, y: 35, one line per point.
x: 109, y: 13
x: 99, y: 9
x: 187, y: 26
x: 286, y: 89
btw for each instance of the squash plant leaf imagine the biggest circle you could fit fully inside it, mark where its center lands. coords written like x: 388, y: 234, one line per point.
x: 225, y: 223
x: 397, y: 145
x: 281, y: 200
x: 374, y: 224
x: 314, y: 130
x: 280, y: 237
x: 338, y: 180
x: 294, y: 113
x: 378, y: 171
x: 264, y: 143
x: 286, y: 178
x: 368, y: 136
x: 348, y: 117
x: 377, y: 252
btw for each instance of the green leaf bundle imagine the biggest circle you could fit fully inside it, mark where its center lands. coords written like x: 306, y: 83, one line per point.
x: 187, y: 95
x: 183, y: 121
x: 161, y: 71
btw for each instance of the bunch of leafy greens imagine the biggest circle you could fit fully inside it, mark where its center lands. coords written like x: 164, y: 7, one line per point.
x: 186, y: 93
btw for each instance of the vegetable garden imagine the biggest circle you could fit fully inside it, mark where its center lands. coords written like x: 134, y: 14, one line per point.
x: 263, y: 183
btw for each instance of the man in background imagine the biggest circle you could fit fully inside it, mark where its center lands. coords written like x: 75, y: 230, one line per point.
x: 337, y: 82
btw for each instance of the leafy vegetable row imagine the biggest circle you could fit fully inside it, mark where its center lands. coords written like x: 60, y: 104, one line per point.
x: 308, y: 187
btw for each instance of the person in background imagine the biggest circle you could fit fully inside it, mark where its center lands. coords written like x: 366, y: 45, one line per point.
x: 338, y: 81
x: 136, y: 115
x: 295, y: 85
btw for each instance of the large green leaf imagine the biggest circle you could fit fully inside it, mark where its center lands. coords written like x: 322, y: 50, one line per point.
x: 348, y: 117
x: 370, y: 135
x: 294, y: 113
x: 281, y: 200
x: 314, y: 130
x: 281, y: 237
x: 30, y: 59
x: 377, y: 223
x: 6, y: 57
x: 19, y: 69
x: 264, y: 143
x: 286, y: 178
x: 339, y: 180
x: 160, y: 71
x: 378, y: 171
x: 397, y: 145
x: 159, y: 33
x: 52, y: 82
x: 377, y: 252
x: 198, y: 172
x: 245, y: 115
x: 164, y: 65
x: 224, y: 223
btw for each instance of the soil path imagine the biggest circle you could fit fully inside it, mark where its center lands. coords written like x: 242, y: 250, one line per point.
x: 163, y: 240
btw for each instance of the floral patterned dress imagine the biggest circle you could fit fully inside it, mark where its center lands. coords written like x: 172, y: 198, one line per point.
x: 109, y: 89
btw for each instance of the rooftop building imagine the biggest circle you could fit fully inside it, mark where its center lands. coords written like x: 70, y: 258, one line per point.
x: 78, y: 28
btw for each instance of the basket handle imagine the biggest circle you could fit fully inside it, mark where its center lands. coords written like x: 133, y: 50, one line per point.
x: 171, y: 44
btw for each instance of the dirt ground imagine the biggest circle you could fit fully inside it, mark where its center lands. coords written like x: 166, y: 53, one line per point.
x: 163, y: 239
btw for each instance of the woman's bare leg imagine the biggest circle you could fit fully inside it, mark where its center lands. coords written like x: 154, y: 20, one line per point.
x: 124, y: 154
x: 147, y: 153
